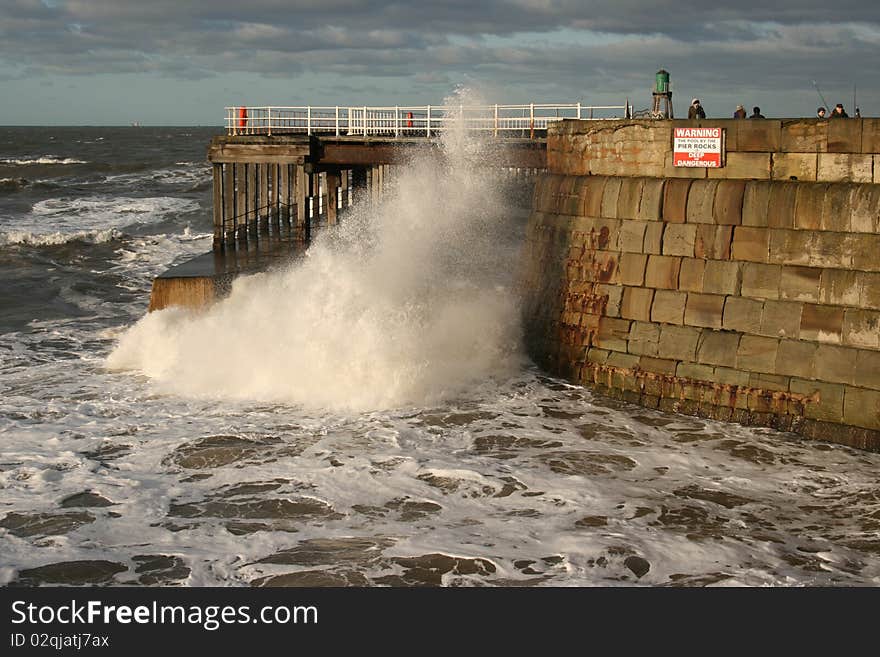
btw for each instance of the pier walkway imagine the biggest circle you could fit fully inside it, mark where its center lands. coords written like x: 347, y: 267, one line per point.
x: 417, y: 121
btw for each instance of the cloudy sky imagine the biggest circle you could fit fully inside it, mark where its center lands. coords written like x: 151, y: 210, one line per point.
x: 180, y: 62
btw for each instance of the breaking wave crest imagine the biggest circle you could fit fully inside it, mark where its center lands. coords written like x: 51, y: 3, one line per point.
x: 406, y: 303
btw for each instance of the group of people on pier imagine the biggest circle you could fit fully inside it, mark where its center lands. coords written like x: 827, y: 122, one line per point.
x: 696, y: 111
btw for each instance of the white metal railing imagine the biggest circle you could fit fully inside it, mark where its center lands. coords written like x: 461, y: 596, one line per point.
x: 411, y: 121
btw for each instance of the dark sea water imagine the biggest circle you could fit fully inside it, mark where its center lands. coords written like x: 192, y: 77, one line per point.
x: 347, y: 421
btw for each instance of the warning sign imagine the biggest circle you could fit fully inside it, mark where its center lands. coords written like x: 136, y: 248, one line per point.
x: 697, y: 147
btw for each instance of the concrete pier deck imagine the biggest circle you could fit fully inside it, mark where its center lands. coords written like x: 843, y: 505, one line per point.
x: 198, y: 282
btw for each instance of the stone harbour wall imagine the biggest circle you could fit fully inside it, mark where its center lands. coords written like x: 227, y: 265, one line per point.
x: 748, y: 293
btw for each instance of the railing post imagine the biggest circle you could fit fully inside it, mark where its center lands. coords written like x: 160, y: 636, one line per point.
x: 429, y: 123
x: 269, y: 120
x: 337, y: 120
x: 365, y: 120
x: 496, y: 120
x: 579, y: 111
x: 531, y: 120
x: 396, y: 121
x: 309, y: 120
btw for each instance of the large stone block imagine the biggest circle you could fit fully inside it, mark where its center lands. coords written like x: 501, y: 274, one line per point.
x: 696, y: 372
x: 623, y: 360
x: 713, y: 242
x: 654, y: 237
x: 835, y: 364
x: 800, y: 284
x: 704, y: 310
x: 644, y: 339
x: 756, y: 203
x: 761, y: 281
x: 833, y: 250
x: 783, y: 200
x: 631, y: 236
x: 722, y: 277
x: 868, y: 369
x: 700, y: 201
x: 610, y: 197
x: 802, y: 136
x: 861, y: 328
x: 864, y: 208
x: 750, y: 244
x: 729, y: 198
x: 862, y: 408
x: 744, y: 166
x: 839, y: 287
x: 668, y: 307
x: 630, y: 196
x: 869, y: 289
x: 845, y: 136
x: 632, y: 268
x: 658, y: 365
x: 837, y: 207
x: 781, y: 319
x: 864, y: 249
x: 794, y: 166
x: 690, y: 276
x: 679, y: 342
x: 718, y: 348
x: 730, y: 376
x: 795, y: 358
x: 871, y: 135
x: 757, y: 354
x: 679, y: 240
x: 675, y: 198
x: 822, y: 323
x: 826, y: 401
x: 792, y: 247
x: 845, y: 167
x: 651, y: 204
x: 591, y: 192
x: 760, y: 136
x: 662, y: 272
x: 637, y: 303
x: 612, y: 334
x: 809, y: 202
x: 741, y: 314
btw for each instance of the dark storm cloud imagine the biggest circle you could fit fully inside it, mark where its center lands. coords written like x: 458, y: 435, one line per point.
x: 577, y: 44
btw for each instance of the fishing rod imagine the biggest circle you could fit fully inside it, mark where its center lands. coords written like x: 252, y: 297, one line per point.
x: 824, y: 102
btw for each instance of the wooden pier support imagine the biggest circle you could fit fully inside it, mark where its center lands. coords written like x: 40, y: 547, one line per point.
x: 240, y: 213
x: 218, y: 207
x: 332, y: 178
x: 251, y: 200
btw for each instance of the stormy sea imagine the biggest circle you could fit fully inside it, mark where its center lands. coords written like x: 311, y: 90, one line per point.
x: 364, y: 415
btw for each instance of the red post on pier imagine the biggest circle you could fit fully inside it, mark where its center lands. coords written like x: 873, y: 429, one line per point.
x: 242, y: 119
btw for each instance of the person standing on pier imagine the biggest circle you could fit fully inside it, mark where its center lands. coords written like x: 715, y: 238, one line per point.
x: 740, y: 112
x: 696, y: 111
x: 838, y: 112
x: 756, y: 113
x: 821, y: 113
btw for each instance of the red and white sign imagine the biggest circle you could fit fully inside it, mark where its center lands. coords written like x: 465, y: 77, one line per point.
x: 697, y: 147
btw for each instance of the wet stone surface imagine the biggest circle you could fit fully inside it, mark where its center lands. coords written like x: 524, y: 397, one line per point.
x: 44, y: 524
x: 86, y: 499
x: 314, y: 578
x: 430, y: 570
x: 587, y: 463
x: 332, y: 551
x: 160, y: 569
x: 71, y: 573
